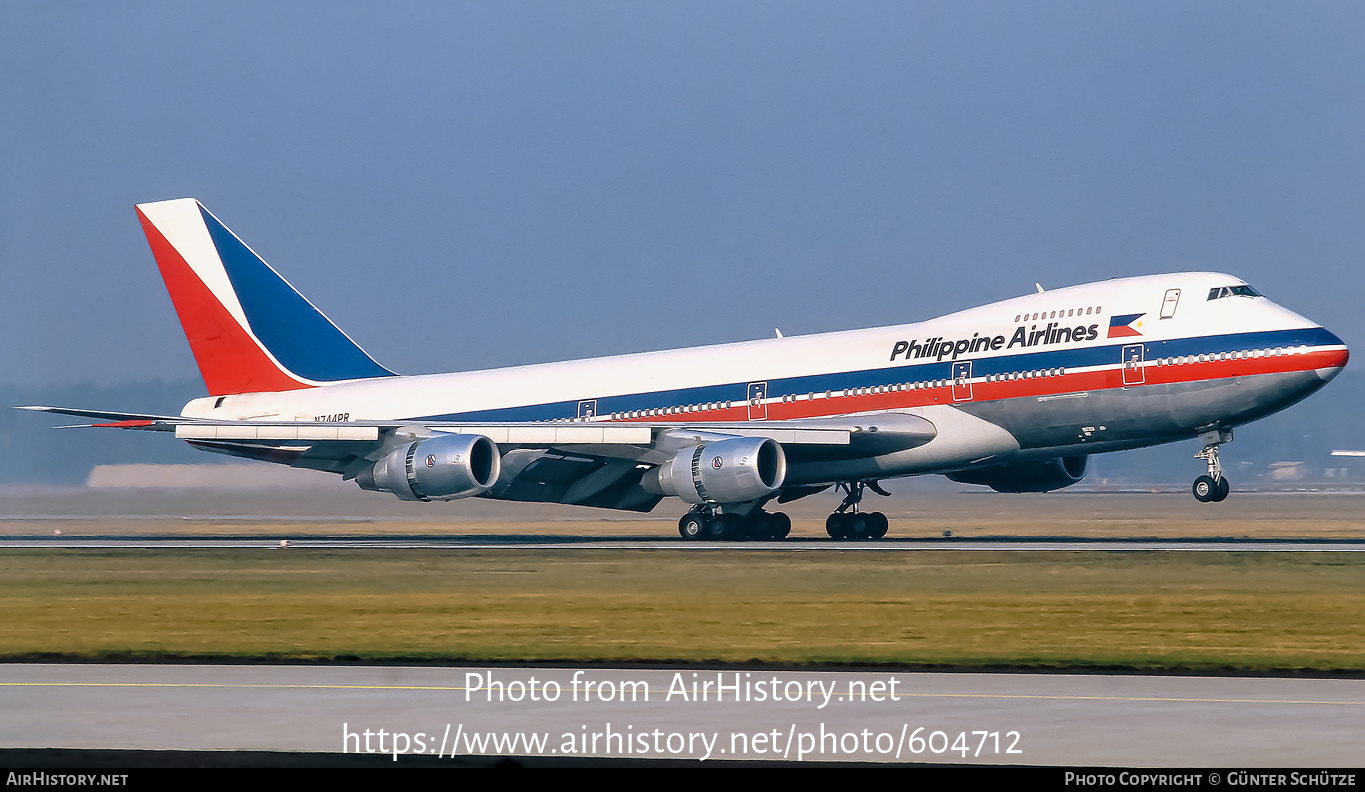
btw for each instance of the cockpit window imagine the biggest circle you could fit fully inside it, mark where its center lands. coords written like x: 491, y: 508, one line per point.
x: 1232, y: 291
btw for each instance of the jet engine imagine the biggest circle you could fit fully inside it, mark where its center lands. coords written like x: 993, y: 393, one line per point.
x: 1031, y: 476
x: 725, y: 471
x: 444, y: 467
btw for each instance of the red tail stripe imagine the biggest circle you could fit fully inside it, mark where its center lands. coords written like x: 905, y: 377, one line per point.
x: 229, y: 359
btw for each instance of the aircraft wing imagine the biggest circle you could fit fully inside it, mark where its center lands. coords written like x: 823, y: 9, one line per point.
x: 595, y: 463
x: 899, y: 428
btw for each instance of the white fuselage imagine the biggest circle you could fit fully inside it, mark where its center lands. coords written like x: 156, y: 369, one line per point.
x: 1050, y: 369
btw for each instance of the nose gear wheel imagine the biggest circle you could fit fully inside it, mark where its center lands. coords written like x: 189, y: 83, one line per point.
x: 1212, y: 488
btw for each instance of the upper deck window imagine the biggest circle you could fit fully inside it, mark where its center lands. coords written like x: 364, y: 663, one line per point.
x: 1232, y: 291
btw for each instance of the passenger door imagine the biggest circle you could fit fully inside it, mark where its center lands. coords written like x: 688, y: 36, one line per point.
x: 758, y: 407
x: 962, y: 381
x: 1169, y: 303
x: 1134, y: 373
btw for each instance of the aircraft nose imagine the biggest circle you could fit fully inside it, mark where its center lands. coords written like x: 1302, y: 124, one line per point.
x: 1336, y: 356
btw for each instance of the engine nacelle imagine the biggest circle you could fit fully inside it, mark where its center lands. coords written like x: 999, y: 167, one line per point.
x: 725, y: 471
x: 444, y: 467
x: 1032, y: 476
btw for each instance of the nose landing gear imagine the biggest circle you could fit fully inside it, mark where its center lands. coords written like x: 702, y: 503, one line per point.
x: 1212, y: 488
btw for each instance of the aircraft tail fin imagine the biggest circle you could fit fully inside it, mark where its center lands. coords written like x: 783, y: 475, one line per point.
x: 250, y: 330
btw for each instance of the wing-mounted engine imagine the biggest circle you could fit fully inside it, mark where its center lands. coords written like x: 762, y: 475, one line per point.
x: 724, y: 471
x: 444, y: 467
x: 1032, y: 476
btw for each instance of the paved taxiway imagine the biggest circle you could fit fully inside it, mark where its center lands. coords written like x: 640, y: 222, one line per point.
x: 1094, y: 720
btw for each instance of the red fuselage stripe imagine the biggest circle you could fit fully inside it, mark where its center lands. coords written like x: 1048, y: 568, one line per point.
x: 1071, y: 382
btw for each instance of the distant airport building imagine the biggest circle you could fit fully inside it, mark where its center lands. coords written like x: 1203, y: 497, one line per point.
x: 218, y: 477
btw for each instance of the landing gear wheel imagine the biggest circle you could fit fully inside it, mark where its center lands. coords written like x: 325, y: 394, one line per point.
x: 769, y: 527
x: 849, y: 523
x: 1205, y: 489
x: 780, y: 526
x: 692, y: 527
x: 727, y: 527
x: 1212, y: 488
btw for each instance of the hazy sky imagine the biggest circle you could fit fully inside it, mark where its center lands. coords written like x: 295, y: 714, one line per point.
x: 470, y: 185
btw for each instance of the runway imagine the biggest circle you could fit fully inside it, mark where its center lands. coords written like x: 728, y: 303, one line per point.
x: 566, y: 542
x: 1054, y: 719
x: 690, y: 713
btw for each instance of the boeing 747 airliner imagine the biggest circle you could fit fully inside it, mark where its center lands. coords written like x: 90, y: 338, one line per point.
x: 1014, y: 396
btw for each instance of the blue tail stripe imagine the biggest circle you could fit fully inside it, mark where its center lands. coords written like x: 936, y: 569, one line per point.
x: 297, y: 334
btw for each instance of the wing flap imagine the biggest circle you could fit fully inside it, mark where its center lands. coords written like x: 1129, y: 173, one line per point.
x: 547, y: 435
x: 307, y: 432
x: 796, y: 436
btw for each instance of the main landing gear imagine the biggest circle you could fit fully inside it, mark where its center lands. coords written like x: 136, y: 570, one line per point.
x: 849, y: 523
x: 1212, y: 488
x: 702, y: 524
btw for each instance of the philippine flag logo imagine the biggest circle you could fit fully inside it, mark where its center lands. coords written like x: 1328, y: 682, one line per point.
x: 1126, y: 325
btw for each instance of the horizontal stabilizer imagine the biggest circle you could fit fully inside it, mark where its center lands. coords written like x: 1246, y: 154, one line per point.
x: 132, y: 420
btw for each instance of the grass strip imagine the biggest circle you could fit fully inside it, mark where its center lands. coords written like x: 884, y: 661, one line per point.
x: 1246, y: 611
